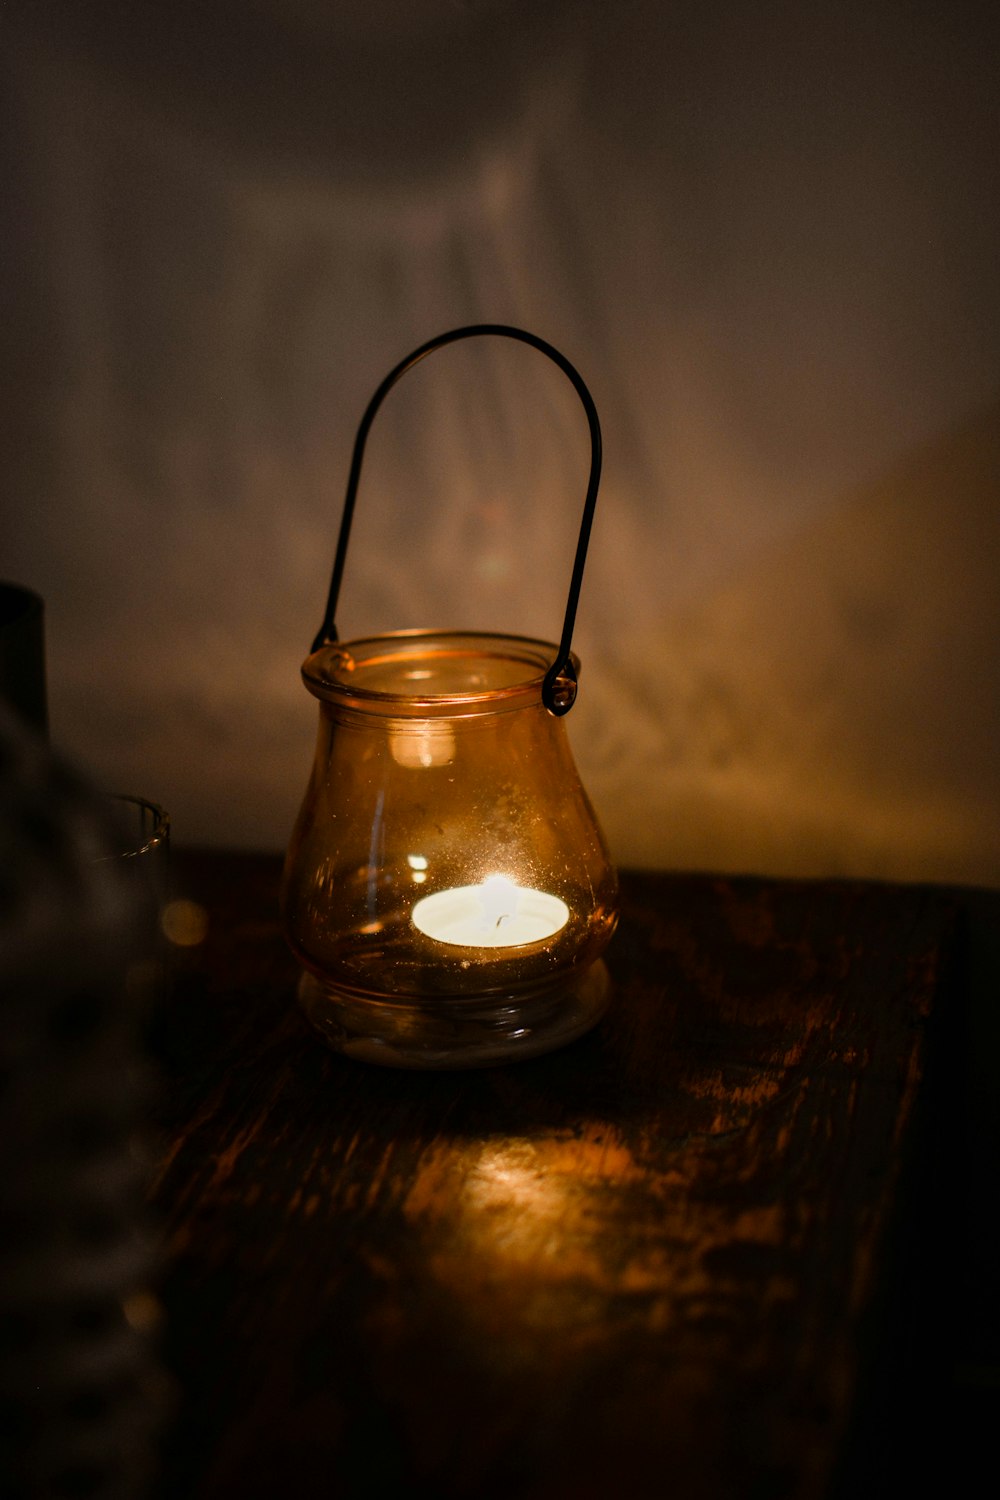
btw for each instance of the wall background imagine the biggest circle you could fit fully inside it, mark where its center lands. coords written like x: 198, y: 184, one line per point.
x: 767, y: 235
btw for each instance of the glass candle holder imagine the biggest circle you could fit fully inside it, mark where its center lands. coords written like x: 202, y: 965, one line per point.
x: 447, y: 887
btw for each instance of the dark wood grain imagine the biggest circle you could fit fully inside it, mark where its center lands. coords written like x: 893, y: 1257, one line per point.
x: 643, y: 1266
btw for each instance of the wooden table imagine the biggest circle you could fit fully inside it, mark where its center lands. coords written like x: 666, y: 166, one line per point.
x: 675, y: 1259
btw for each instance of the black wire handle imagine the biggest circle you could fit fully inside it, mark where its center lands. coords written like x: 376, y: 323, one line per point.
x: 559, y: 686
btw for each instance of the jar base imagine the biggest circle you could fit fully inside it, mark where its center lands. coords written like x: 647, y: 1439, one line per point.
x: 447, y: 1032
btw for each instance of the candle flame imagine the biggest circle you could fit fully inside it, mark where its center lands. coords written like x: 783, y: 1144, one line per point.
x: 499, y: 900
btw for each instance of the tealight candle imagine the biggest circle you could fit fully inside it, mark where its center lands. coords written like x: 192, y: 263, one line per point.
x: 495, y: 914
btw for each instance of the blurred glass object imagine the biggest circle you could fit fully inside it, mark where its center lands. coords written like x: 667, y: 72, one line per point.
x: 140, y: 828
x: 81, y: 1393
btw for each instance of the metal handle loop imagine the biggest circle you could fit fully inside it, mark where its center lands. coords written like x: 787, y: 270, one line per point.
x: 559, y: 686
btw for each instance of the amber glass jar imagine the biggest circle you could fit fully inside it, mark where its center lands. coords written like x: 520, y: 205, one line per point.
x: 447, y: 887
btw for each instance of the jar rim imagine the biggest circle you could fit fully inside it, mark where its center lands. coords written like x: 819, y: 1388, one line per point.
x: 475, y: 672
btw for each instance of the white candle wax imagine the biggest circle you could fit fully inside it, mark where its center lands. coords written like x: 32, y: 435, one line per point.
x: 496, y: 914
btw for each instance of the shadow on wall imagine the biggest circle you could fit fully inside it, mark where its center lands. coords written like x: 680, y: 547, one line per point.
x: 835, y: 708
